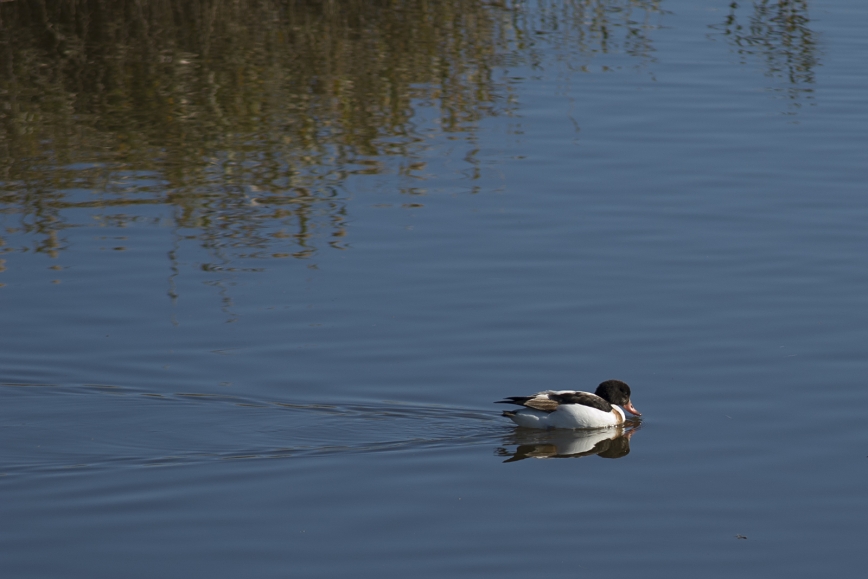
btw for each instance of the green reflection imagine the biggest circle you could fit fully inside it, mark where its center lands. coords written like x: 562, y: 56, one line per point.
x: 778, y: 33
x: 246, y: 118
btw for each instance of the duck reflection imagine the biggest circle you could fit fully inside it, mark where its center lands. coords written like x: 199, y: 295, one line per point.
x: 606, y: 443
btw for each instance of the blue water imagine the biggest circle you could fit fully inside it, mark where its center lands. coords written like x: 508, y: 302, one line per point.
x: 178, y: 398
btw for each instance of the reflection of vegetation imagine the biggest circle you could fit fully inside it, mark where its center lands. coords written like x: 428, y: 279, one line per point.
x: 779, y: 33
x: 592, y: 27
x: 245, y: 117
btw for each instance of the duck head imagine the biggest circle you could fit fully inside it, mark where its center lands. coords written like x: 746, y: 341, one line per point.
x: 617, y: 392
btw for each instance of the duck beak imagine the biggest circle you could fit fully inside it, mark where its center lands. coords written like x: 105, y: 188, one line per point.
x: 629, y: 408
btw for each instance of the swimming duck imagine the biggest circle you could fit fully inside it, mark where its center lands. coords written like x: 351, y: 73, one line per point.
x: 573, y: 409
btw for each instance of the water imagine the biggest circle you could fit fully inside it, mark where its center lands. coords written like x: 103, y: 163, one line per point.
x: 261, y: 290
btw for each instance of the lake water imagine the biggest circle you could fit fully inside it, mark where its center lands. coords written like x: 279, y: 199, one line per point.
x: 266, y: 267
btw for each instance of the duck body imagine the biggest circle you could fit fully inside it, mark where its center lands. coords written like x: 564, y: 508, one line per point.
x: 573, y: 408
x: 566, y: 416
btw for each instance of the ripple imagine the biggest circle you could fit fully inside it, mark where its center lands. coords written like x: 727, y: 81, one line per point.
x: 50, y: 427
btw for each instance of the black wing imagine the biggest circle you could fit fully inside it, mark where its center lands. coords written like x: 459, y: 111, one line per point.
x: 549, y: 402
x: 583, y: 398
x: 542, y: 402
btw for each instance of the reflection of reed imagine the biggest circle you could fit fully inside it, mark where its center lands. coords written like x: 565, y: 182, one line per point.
x: 606, y: 443
x: 779, y: 33
x: 245, y: 117
x: 592, y: 26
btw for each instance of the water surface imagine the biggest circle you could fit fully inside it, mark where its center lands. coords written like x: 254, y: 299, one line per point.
x: 266, y: 267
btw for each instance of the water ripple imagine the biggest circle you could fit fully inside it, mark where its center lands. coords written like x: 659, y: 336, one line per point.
x: 48, y: 427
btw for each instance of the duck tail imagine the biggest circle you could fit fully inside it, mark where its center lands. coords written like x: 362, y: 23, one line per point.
x: 509, y: 413
x: 520, y: 400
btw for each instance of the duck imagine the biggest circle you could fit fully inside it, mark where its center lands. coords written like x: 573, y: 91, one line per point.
x: 572, y: 408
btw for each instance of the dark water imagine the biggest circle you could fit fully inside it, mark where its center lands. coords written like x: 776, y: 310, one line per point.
x: 266, y: 266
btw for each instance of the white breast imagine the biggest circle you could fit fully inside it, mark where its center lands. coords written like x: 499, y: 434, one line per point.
x: 580, y: 416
